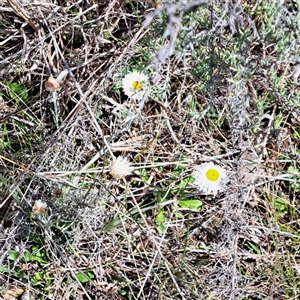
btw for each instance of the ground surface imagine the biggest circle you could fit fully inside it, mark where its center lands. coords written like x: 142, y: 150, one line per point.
x: 224, y: 88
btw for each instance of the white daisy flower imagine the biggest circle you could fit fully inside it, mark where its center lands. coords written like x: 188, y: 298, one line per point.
x: 210, y: 178
x: 39, y: 207
x: 135, y: 85
x: 120, y: 167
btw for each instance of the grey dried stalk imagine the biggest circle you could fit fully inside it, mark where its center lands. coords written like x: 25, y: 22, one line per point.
x: 175, y: 14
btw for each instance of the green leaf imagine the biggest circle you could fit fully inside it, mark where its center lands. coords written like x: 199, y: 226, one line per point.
x: 160, y: 220
x: 178, y: 215
x: 90, y: 274
x: 160, y: 217
x: 160, y: 228
x: 38, y: 252
x: 27, y: 256
x: 281, y: 206
x: 36, y: 240
x: 295, y: 175
x: 157, y: 196
x: 38, y: 276
x: 17, y: 91
x: 13, y: 255
x: 254, y: 247
x: 82, y: 277
x: 13, y: 271
x: 112, y: 226
x: 39, y: 256
x: 144, y: 176
x: 296, y: 133
x: 191, y: 204
x: 119, y: 279
x: 4, y: 269
x: 183, y: 183
x: 177, y: 170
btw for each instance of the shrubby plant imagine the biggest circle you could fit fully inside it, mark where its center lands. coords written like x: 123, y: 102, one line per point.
x: 171, y: 144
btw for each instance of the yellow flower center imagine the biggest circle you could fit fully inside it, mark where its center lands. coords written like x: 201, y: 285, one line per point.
x: 136, y: 85
x: 212, y: 175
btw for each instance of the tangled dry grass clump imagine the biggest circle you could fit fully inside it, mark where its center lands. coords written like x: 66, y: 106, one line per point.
x: 97, y: 193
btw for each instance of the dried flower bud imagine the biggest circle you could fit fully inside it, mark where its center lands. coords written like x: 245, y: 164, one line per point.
x: 120, y: 167
x: 52, y: 85
x: 39, y: 207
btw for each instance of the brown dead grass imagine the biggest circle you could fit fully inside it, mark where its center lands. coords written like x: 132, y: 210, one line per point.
x: 238, y: 246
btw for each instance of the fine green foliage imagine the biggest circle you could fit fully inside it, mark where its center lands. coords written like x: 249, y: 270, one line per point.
x: 17, y: 92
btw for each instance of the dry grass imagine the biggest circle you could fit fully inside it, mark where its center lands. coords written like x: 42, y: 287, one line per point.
x: 229, y: 93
